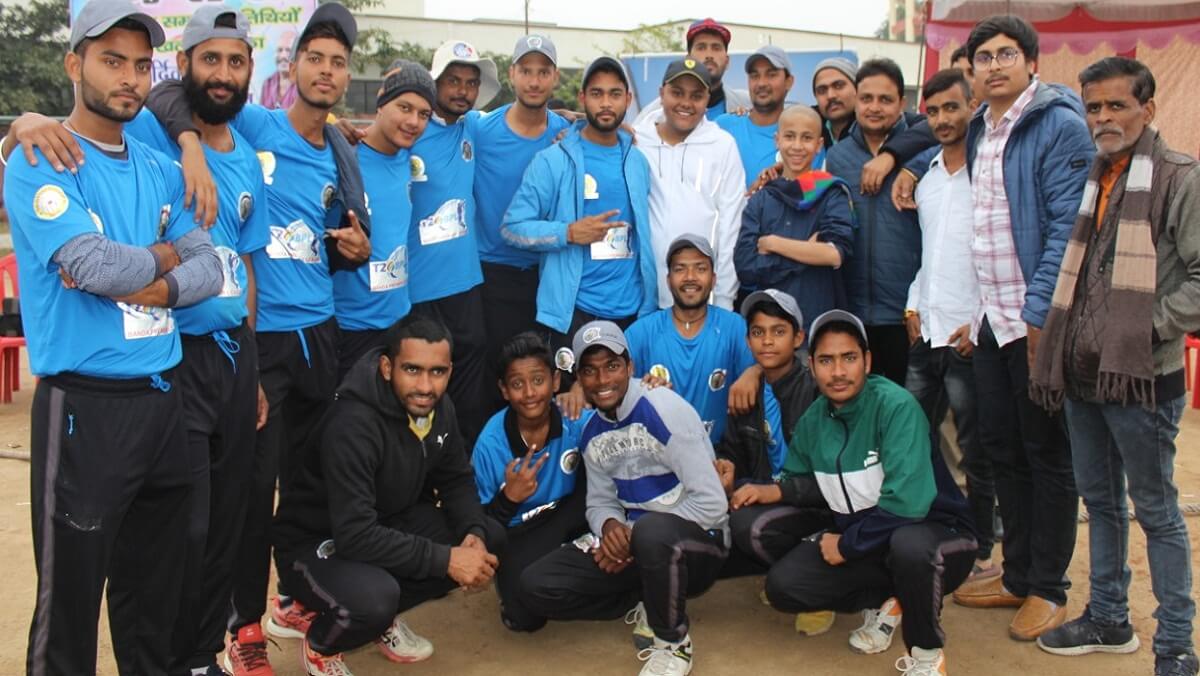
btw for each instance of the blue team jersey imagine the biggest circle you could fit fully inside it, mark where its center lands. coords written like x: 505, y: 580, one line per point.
x: 610, y: 286
x: 295, y: 289
x: 137, y: 200
x: 500, y: 160
x: 500, y: 443
x: 375, y: 295
x: 700, y: 369
x: 755, y: 144
x: 715, y: 110
x: 240, y: 229
x: 443, y: 256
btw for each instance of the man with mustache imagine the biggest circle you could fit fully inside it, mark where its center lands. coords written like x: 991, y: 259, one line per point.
x: 887, y: 241
x: 1110, y: 355
x: 833, y: 88
x: 443, y: 254
x: 1028, y: 153
x: 104, y: 254
x: 584, y: 206
x: 278, y: 90
x: 945, y: 295
x: 770, y: 75
x: 708, y: 44
x: 696, y: 181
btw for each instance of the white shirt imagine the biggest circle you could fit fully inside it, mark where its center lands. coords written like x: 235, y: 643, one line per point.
x: 945, y: 291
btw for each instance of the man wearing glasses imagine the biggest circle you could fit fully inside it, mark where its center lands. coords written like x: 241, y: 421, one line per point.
x: 1028, y: 152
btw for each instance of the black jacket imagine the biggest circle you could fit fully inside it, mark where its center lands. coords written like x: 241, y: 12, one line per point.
x: 745, y: 440
x: 366, y: 469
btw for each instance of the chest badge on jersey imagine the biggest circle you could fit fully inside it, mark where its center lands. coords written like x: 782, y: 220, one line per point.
x: 230, y: 264
x: 614, y: 246
x: 467, y: 153
x: 569, y: 461
x: 564, y: 359
x: 416, y: 167
x: 716, y: 379
x: 661, y: 372
x: 50, y: 202
x: 245, y: 206
x: 296, y: 242
x: 391, y: 273
x: 447, y: 223
x: 144, y: 321
x: 327, y: 195
x: 266, y: 159
x: 590, y: 190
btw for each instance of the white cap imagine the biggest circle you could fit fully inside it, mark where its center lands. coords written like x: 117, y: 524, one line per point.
x: 457, y: 51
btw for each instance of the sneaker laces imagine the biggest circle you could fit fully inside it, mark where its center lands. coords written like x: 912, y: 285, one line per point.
x: 870, y: 619
x: 635, y: 615
x: 398, y: 634
x: 659, y: 659
x: 252, y: 655
x: 333, y: 665
x: 911, y: 666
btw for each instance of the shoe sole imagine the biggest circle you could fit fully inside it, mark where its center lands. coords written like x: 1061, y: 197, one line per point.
x: 1130, y: 646
x: 398, y: 659
x: 280, y: 631
x: 1034, y: 634
x: 861, y: 651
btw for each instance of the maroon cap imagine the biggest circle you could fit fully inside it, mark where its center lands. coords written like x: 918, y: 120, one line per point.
x: 710, y: 26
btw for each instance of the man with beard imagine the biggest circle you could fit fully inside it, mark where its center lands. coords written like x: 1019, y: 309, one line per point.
x: 887, y: 241
x: 770, y: 75
x: 695, y: 348
x: 313, y: 187
x: 278, y: 91
x: 507, y: 140
x: 833, y: 88
x: 443, y: 255
x: 584, y: 206
x: 219, y: 371
x: 707, y: 43
x: 103, y: 255
x: 367, y: 301
x: 696, y: 177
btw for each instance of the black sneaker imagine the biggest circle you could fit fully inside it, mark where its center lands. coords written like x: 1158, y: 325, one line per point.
x: 1083, y: 635
x: 1179, y: 665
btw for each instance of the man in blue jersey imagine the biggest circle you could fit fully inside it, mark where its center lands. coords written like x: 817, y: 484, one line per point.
x: 584, y: 206
x: 655, y: 507
x: 443, y: 256
x: 696, y: 348
x: 370, y: 299
x: 527, y: 470
x: 109, y: 249
x: 770, y: 75
x: 507, y: 139
x: 317, y: 217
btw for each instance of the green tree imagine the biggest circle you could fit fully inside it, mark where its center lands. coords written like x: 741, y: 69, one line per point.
x: 31, y: 58
x: 662, y: 37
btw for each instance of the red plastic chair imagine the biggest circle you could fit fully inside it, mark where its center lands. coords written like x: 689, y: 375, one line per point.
x: 1190, y: 343
x: 10, y: 346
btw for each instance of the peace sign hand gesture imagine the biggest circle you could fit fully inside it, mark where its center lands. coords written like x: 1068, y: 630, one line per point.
x: 520, y: 477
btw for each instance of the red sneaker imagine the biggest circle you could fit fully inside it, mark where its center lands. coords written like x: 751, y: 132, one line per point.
x: 289, y: 621
x: 246, y: 653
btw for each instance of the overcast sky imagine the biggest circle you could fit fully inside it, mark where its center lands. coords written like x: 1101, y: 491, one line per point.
x: 853, y: 17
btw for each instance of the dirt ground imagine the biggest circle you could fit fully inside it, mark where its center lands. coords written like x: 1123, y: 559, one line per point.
x: 733, y: 632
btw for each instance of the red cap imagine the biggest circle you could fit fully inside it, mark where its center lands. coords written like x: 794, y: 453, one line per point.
x: 709, y: 26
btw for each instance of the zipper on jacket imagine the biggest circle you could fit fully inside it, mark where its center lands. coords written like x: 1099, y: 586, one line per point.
x: 838, y: 462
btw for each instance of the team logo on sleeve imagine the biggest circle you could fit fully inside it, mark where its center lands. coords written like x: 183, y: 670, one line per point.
x: 327, y: 195
x: 590, y: 190
x: 569, y: 461
x: 467, y: 153
x: 164, y: 219
x: 266, y: 159
x: 661, y: 372
x: 50, y: 202
x: 416, y: 167
x: 564, y: 359
x: 245, y: 206
x: 716, y: 379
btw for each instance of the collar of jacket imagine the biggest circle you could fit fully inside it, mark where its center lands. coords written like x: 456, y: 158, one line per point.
x: 516, y: 443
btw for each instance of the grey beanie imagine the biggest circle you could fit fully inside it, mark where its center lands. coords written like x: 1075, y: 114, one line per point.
x: 840, y: 64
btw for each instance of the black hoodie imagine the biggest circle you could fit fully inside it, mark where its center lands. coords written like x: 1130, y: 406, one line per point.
x: 366, y: 469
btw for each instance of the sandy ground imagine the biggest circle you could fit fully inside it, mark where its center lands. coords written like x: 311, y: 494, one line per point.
x: 732, y: 631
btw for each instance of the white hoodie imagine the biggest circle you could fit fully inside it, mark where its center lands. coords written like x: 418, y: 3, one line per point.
x: 696, y: 186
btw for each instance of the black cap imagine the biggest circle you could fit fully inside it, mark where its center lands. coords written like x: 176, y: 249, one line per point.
x: 677, y: 69
x: 604, y: 63
x: 336, y: 14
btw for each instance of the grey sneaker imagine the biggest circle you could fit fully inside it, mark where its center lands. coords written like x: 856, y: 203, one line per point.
x: 643, y: 635
x: 1179, y: 665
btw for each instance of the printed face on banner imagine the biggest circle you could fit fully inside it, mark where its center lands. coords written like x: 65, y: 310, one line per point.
x: 274, y: 27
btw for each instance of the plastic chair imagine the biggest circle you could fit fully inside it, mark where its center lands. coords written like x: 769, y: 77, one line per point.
x: 1190, y: 343
x: 10, y: 346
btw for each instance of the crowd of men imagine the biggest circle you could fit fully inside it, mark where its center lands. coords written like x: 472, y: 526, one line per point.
x: 598, y: 362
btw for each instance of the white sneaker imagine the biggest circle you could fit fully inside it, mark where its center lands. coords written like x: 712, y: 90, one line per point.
x: 400, y: 644
x: 643, y: 635
x: 877, y: 630
x: 922, y: 662
x: 316, y: 664
x: 667, y: 659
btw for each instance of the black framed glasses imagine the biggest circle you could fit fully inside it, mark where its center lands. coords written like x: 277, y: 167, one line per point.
x: 1006, y: 57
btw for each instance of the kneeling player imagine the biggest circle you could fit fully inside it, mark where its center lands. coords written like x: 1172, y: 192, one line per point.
x: 361, y: 536
x: 654, y: 503
x: 527, y: 470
